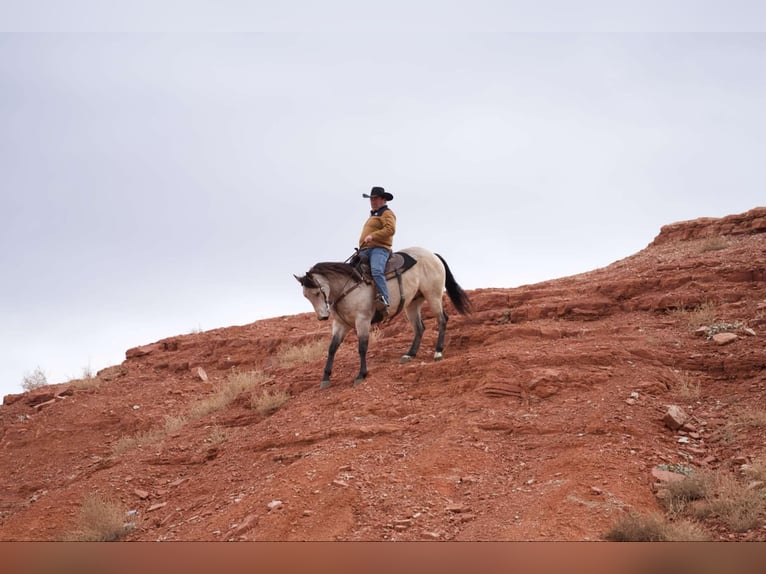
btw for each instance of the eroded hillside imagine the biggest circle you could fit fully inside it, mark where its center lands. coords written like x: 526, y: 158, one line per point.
x: 545, y: 421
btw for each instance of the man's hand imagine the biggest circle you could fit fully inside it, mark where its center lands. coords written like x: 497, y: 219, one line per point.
x: 368, y: 239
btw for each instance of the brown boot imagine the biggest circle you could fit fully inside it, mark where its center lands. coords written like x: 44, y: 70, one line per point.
x: 381, y: 306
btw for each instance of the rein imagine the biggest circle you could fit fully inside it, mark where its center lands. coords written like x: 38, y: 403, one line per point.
x: 346, y: 290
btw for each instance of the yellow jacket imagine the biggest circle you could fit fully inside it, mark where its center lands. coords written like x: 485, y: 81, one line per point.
x: 382, y: 226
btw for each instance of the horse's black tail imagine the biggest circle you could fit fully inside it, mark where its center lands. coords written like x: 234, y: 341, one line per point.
x: 456, y: 294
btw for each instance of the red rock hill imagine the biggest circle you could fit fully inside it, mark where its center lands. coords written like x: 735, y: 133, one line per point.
x: 545, y: 421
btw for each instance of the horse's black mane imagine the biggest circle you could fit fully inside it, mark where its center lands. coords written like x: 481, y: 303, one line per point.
x: 337, y: 268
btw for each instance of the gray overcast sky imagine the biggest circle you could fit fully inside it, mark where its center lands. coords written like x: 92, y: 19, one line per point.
x: 152, y: 184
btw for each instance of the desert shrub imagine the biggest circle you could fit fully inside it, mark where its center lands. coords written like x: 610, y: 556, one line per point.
x: 686, y: 386
x: 654, y: 528
x: 681, y: 492
x: 715, y: 243
x: 216, y: 435
x: 732, y: 502
x: 99, y: 520
x: 171, y: 425
x: 291, y: 355
x: 236, y: 383
x: 34, y: 380
x: 700, y: 316
x: 269, y: 401
x: 86, y: 381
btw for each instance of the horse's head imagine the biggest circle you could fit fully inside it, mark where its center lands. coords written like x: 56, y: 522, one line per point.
x: 316, y: 290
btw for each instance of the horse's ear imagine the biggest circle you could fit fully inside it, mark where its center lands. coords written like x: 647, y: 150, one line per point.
x: 306, y: 280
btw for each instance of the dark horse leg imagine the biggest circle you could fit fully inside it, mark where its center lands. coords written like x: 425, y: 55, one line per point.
x: 418, y: 327
x: 363, y: 334
x: 440, y: 339
x: 338, y: 334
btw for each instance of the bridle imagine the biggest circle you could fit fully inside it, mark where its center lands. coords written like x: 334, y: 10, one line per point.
x: 333, y: 304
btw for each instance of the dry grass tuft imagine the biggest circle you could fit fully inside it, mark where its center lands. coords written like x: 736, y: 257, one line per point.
x: 653, y: 528
x: 715, y: 243
x: 152, y: 436
x: 686, y: 386
x: 268, y: 402
x: 99, y: 520
x: 732, y: 502
x: 217, y: 435
x: 292, y: 355
x: 701, y: 316
x: 235, y: 384
x: 680, y: 494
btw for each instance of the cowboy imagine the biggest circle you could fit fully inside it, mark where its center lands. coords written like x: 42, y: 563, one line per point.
x: 376, y: 241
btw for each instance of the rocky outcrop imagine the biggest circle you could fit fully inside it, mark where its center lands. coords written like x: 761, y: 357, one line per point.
x: 753, y: 221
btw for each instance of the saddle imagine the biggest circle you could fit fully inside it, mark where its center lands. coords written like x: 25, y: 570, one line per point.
x: 398, y: 262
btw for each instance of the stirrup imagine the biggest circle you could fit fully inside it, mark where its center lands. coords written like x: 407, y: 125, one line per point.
x: 381, y: 306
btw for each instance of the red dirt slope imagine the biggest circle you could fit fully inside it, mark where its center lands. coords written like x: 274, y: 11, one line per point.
x: 543, y: 422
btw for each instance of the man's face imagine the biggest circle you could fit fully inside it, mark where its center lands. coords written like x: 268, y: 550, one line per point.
x: 376, y: 203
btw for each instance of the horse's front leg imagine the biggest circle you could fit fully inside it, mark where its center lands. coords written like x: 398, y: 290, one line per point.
x: 338, y: 334
x: 363, y: 334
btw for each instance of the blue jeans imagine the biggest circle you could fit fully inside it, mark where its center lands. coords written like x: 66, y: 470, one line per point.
x: 378, y: 259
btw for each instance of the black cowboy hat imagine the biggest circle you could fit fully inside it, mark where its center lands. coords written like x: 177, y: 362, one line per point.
x: 379, y: 192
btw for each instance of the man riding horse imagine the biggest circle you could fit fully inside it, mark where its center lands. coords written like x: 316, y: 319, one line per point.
x: 376, y: 241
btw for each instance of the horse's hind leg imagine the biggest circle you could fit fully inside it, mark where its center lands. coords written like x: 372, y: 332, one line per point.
x: 435, y: 302
x: 413, y: 314
x: 438, y: 355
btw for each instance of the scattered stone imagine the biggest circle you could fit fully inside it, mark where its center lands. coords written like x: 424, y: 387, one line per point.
x: 675, y: 417
x: 275, y: 504
x: 596, y: 490
x: 239, y: 529
x: 431, y: 535
x: 683, y: 439
x: 142, y: 494
x: 36, y: 400
x: 157, y: 506
x: 666, y: 476
x: 748, y: 331
x: 724, y: 338
x: 202, y: 374
x: 701, y: 332
x: 457, y: 508
x: 338, y: 482
x: 41, y: 406
x: 142, y: 351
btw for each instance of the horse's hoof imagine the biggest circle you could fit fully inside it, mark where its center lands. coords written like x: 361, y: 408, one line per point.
x: 324, y: 384
x: 358, y: 381
x: 438, y: 356
x: 405, y: 359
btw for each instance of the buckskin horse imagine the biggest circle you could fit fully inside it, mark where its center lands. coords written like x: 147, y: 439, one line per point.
x: 414, y: 275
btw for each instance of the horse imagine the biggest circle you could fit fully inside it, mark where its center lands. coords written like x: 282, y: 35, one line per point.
x: 339, y: 290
